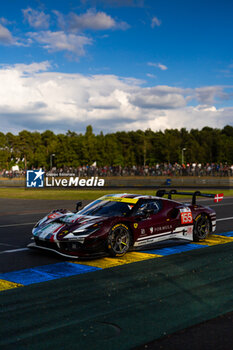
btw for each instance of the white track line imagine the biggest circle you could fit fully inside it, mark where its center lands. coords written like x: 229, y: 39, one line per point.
x: 223, y: 219
x: 13, y: 225
x: 222, y: 204
x: 7, y: 245
x: 14, y: 250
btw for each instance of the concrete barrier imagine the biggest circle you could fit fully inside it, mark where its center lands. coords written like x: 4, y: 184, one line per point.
x: 188, y: 182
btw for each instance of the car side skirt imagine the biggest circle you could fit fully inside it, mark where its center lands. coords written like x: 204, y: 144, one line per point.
x: 185, y: 232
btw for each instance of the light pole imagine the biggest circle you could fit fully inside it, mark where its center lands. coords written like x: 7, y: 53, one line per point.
x: 51, y: 160
x: 182, y: 155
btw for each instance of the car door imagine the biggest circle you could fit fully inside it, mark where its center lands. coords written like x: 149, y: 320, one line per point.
x: 153, y: 226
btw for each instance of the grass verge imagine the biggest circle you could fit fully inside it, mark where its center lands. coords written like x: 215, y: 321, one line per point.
x: 61, y: 194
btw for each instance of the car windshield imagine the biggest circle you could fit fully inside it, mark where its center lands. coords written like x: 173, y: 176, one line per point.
x: 107, y: 208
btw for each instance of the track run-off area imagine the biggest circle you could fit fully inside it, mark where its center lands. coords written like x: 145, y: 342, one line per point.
x: 113, y: 303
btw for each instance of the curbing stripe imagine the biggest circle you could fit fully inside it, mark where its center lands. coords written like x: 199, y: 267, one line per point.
x: 4, y: 285
x: 225, y: 234
x: 128, y: 258
x: 46, y: 273
x: 215, y: 240
x: 175, y: 249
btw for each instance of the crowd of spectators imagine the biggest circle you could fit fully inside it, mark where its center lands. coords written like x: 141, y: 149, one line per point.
x: 162, y: 169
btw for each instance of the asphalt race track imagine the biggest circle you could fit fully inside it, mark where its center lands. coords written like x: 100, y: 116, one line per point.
x: 151, y: 297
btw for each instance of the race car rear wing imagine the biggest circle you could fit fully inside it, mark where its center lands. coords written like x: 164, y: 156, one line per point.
x: 217, y: 197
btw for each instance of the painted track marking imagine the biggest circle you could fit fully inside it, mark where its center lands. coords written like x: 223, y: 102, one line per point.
x: 129, y: 258
x: 215, y: 240
x: 46, y: 273
x: 216, y: 205
x: 13, y: 225
x: 8, y: 245
x: 14, y: 250
x: 4, y: 285
x: 223, y: 219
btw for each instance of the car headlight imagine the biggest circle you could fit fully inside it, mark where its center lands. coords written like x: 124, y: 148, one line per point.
x: 87, y: 230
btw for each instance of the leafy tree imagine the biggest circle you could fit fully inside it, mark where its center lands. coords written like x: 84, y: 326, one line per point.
x: 34, y: 149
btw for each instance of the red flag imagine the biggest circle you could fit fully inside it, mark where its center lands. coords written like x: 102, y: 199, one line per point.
x: 218, y: 197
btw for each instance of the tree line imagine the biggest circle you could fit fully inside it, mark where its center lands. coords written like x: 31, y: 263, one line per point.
x: 35, y: 149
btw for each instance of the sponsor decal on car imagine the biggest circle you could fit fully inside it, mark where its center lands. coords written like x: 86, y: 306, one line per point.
x: 186, y: 216
x: 189, y: 230
x: 115, y: 226
x: 120, y: 199
x: 54, y: 215
x: 162, y: 228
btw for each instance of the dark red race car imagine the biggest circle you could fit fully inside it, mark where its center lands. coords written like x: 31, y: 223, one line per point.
x: 116, y: 223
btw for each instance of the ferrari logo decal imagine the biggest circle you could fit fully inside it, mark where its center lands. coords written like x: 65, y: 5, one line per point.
x: 135, y: 225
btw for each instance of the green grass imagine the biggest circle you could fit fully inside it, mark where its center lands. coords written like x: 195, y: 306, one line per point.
x: 60, y: 194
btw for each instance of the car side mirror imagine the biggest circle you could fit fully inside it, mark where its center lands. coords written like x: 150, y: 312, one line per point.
x: 78, y: 205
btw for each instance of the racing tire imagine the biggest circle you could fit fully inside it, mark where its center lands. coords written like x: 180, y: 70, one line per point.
x: 201, y: 228
x: 119, y: 240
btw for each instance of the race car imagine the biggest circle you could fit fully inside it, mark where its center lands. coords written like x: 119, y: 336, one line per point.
x: 116, y: 223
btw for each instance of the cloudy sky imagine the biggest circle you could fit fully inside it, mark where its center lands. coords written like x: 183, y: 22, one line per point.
x: 115, y: 64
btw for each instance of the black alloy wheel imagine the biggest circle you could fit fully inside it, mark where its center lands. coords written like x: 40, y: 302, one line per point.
x: 119, y: 240
x: 201, y: 228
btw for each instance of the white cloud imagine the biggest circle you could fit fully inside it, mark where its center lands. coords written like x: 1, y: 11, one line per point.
x: 157, y: 65
x: 162, y: 66
x: 155, y: 22
x: 193, y: 117
x: 5, y: 35
x: 35, y: 67
x: 61, y: 20
x: 70, y: 39
x: 36, y: 19
x: 209, y: 94
x: 5, y: 21
x: 60, y: 41
x: 152, y: 76
x: 205, y: 108
x: 58, y: 101
x: 160, y: 97
x: 90, y: 20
